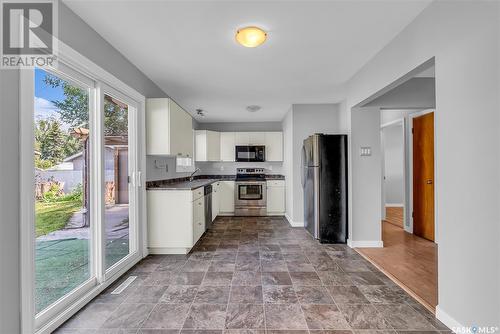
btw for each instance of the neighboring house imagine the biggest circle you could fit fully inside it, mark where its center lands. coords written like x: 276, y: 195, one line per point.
x: 70, y: 172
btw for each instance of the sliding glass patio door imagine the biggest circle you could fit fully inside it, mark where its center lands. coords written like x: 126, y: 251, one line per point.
x: 119, y: 149
x: 62, y: 153
x: 85, y: 201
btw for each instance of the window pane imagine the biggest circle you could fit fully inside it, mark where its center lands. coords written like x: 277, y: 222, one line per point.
x: 116, y: 214
x: 62, y: 220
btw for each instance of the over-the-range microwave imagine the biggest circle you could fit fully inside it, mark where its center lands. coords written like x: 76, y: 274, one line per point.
x: 251, y: 153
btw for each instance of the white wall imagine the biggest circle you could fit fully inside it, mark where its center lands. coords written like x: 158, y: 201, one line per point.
x: 393, y: 147
x: 366, y: 181
x: 414, y: 93
x: 154, y: 174
x: 10, y: 292
x: 239, y: 126
x: 387, y: 116
x: 288, y: 161
x: 464, y: 38
x: 229, y: 168
x: 305, y: 120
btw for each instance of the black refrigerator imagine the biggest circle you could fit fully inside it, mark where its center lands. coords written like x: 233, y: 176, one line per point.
x: 324, y: 181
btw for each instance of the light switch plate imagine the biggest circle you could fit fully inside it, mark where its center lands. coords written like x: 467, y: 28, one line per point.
x: 365, y: 151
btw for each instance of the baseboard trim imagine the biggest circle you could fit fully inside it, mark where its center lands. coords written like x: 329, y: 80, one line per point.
x: 365, y: 243
x: 293, y: 223
x: 394, y: 205
x: 446, y: 319
x: 168, y: 250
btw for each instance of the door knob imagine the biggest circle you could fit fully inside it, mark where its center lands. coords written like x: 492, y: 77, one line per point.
x: 429, y: 182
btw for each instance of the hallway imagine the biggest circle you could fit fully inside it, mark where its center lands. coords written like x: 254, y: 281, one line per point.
x: 255, y: 275
x: 409, y: 259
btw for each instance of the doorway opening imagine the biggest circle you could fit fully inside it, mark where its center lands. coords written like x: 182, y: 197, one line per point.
x: 408, y: 227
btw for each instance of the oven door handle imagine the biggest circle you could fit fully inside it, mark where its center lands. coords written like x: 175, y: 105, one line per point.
x: 250, y: 182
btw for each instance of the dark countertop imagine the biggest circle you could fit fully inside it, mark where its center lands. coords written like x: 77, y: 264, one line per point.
x: 199, y: 181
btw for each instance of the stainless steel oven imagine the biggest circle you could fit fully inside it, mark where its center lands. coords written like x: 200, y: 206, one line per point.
x: 253, y: 153
x: 250, y: 193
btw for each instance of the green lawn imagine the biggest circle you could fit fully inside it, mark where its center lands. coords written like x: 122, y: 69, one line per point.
x: 53, y: 216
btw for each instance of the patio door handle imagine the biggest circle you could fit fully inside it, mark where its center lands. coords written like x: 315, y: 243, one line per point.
x: 139, y: 181
x: 132, y: 179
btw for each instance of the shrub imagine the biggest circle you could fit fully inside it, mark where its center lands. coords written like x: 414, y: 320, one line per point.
x: 55, y: 194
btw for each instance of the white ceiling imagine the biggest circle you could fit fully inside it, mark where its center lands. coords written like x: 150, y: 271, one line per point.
x: 187, y: 48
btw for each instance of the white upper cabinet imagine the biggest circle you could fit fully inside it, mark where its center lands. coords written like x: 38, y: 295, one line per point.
x: 257, y: 138
x: 227, y: 144
x: 241, y: 138
x: 274, y: 146
x: 250, y: 138
x: 207, y: 145
x: 169, y: 129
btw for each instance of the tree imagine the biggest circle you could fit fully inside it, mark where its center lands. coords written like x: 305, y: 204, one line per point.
x: 50, y: 140
x: 74, y: 108
x: 53, y: 143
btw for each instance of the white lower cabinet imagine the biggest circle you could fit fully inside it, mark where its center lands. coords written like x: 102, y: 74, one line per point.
x: 226, y: 198
x: 175, y: 220
x: 215, y: 199
x: 198, y: 219
x: 275, y: 197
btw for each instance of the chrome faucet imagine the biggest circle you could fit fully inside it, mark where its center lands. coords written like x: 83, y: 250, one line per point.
x: 191, y: 177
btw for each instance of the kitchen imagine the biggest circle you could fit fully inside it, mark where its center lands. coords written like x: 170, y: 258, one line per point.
x: 248, y: 181
x: 193, y: 202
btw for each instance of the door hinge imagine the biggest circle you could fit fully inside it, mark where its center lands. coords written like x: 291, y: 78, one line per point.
x: 412, y: 214
x: 412, y: 130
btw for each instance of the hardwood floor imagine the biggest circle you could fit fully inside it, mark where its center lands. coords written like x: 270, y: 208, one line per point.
x: 394, y: 215
x: 410, y: 260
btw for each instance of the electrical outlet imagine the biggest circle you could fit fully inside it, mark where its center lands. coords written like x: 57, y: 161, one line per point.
x: 365, y: 151
x: 161, y: 164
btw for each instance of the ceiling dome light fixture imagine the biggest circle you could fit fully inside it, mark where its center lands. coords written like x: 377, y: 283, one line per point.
x: 251, y: 37
x: 253, y: 108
